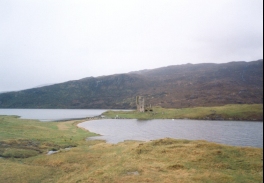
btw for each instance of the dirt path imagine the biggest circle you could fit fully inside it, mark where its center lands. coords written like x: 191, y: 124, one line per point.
x: 64, y: 125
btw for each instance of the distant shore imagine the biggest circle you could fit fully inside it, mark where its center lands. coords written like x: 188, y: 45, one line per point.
x: 232, y: 112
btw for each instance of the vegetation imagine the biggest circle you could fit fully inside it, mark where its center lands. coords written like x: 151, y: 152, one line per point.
x: 244, y: 112
x: 21, y: 138
x: 24, y: 144
x: 180, y: 86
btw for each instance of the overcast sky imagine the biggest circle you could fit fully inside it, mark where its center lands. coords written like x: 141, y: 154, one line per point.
x: 53, y: 41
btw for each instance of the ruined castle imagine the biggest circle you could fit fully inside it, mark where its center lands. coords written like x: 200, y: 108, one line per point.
x: 140, y: 102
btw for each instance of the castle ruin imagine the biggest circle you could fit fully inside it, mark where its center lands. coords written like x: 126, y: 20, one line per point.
x: 141, y: 107
x: 140, y: 102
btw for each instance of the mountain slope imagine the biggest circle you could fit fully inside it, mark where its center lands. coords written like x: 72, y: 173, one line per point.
x: 179, y: 86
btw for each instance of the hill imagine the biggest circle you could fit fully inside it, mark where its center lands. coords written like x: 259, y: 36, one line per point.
x: 189, y: 85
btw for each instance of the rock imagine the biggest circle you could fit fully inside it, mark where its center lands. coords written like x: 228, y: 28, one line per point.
x: 52, y: 152
x: 133, y: 173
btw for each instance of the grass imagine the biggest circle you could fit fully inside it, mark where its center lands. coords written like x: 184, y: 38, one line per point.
x: 251, y: 112
x: 25, y: 138
x: 24, y: 144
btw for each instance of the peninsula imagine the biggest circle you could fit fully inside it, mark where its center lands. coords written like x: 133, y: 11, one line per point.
x: 237, y: 112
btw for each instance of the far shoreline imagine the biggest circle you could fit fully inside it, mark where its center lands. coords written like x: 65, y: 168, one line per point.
x: 232, y: 112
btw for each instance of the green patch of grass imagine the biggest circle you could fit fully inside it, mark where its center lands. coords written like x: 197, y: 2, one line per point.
x: 18, y: 153
x: 252, y: 112
x: 30, y: 137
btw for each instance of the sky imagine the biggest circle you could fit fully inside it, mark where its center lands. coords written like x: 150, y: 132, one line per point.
x: 52, y: 41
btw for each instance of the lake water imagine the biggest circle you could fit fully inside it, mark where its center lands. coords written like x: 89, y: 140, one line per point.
x: 53, y: 114
x: 236, y: 133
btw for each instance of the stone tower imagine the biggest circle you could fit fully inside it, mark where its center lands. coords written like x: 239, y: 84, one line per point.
x: 140, y: 102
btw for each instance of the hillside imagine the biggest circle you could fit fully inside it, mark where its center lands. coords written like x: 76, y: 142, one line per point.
x: 178, y: 86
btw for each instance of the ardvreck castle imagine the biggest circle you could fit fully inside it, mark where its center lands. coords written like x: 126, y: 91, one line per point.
x: 140, y: 102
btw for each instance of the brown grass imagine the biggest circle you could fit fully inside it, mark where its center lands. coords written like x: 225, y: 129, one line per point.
x: 165, y: 160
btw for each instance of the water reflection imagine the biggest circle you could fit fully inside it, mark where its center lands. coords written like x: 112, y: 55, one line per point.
x: 142, y: 122
x: 226, y: 132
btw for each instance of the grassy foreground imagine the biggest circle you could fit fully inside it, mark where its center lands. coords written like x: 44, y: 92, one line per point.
x: 24, y: 144
x: 250, y: 112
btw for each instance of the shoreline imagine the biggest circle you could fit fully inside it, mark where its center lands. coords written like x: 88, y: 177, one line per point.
x: 232, y: 112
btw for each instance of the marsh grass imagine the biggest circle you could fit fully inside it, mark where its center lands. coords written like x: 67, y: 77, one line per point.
x: 165, y: 160
x: 252, y: 112
x: 25, y: 138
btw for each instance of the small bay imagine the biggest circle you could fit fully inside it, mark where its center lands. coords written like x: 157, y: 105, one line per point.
x: 235, y: 133
x: 53, y: 114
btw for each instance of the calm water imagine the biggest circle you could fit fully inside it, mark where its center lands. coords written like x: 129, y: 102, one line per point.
x: 113, y: 131
x: 235, y: 133
x: 52, y: 114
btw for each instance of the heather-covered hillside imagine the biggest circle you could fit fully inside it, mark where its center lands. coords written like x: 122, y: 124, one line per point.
x: 176, y: 86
